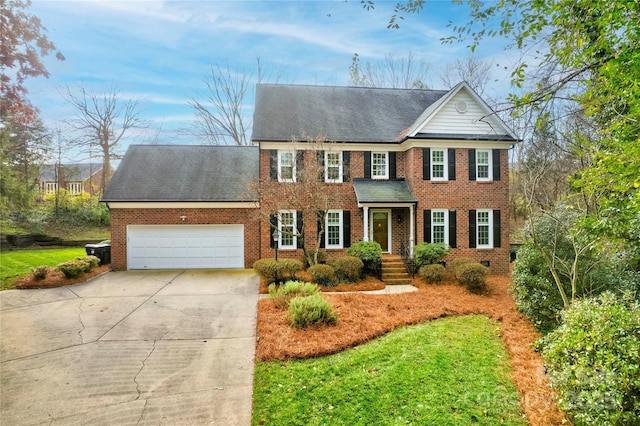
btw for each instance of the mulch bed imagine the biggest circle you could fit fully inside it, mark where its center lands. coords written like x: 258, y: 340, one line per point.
x: 364, y: 317
x: 56, y: 278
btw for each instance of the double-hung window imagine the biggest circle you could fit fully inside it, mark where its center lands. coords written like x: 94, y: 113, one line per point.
x: 51, y: 187
x: 439, y: 226
x: 287, y: 229
x: 439, y: 164
x: 380, y: 165
x: 333, y: 166
x: 74, y: 188
x: 483, y: 165
x: 286, y: 166
x: 333, y: 229
x: 484, y: 232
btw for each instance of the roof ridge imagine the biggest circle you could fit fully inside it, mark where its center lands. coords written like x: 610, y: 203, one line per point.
x: 350, y: 87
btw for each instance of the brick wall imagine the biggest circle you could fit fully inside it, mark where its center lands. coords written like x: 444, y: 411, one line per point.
x: 120, y: 218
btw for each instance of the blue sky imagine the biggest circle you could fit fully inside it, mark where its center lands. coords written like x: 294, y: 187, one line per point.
x: 159, y: 52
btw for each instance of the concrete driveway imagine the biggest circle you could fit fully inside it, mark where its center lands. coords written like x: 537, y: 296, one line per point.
x: 147, y: 347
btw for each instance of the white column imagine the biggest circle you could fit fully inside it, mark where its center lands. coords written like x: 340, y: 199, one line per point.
x: 412, y: 232
x: 365, y: 212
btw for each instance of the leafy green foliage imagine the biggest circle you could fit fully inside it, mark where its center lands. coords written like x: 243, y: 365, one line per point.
x: 451, y: 371
x: 429, y: 253
x: 370, y: 253
x: 311, y: 310
x: 593, y: 360
x: 431, y: 273
x: 347, y: 268
x: 282, y: 294
x: 78, y: 266
x: 40, y: 272
x: 473, y: 276
x: 323, y: 275
x: 458, y: 262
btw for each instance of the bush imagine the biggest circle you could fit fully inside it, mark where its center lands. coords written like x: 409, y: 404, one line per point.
x: 74, y: 268
x: 281, y: 295
x: 592, y: 358
x: 347, y: 268
x: 455, y: 264
x: 310, y: 310
x: 40, y: 272
x: 429, y: 253
x: 277, y: 270
x: 93, y: 261
x: 370, y: 253
x: 431, y: 273
x: 473, y: 276
x: 309, y: 255
x: 323, y: 275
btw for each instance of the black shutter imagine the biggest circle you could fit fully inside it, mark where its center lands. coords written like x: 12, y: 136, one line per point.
x: 451, y: 157
x: 496, y: 163
x: 453, y: 240
x: 497, y: 230
x: 346, y: 163
x: 299, y: 226
x: 320, y: 160
x: 472, y: 229
x: 299, y: 163
x: 392, y: 165
x: 427, y: 226
x: 426, y: 164
x: 472, y: 164
x: 321, y: 218
x: 273, y: 221
x: 273, y: 164
x: 346, y: 228
x: 367, y: 164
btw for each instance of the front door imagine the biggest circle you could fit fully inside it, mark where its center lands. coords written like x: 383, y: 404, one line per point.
x: 380, y: 231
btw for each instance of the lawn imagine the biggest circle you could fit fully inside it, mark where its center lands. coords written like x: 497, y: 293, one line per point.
x: 448, y: 371
x: 15, y: 264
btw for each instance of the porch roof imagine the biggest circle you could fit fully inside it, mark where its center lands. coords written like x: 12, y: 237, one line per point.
x: 383, y: 191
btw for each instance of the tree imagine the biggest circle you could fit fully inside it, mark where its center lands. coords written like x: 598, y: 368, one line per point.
x: 22, y: 44
x: 404, y: 73
x: 308, y: 195
x: 102, y: 120
x: 475, y: 71
x: 222, y: 117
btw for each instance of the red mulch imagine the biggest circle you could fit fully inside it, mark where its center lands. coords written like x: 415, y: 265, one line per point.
x: 363, y: 317
x: 56, y: 278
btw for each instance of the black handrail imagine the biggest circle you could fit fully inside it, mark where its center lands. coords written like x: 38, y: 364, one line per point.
x: 407, y: 259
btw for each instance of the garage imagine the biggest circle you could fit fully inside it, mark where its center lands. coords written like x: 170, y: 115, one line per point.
x: 185, y: 246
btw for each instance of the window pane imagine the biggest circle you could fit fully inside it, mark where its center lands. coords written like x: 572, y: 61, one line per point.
x: 438, y: 234
x: 438, y: 225
x: 483, y: 228
x: 333, y: 166
x: 379, y: 164
x: 286, y: 229
x: 286, y: 165
x: 482, y: 161
x: 333, y: 228
x: 437, y: 164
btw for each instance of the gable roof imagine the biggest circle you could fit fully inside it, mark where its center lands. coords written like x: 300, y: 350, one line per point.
x: 340, y: 114
x: 383, y: 191
x: 71, y: 172
x: 185, y: 173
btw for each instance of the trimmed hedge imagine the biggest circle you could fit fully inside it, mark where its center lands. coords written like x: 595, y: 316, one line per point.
x: 78, y: 266
x: 429, y: 253
x: 277, y: 270
x: 473, y: 276
x: 323, y: 275
x: 347, y: 268
x: 431, y: 273
x: 370, y: 253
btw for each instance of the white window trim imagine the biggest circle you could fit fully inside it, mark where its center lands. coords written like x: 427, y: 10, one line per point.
x: 445, y: 165
x: 446, y: 225
x: 294, y: 239
x: 293, y: 165
x: 326, y: 230
x: 74, y: 188
x: 489, y: 164
x: 326, y: 167
x: 386, y: 165
x: 490, y: 225
x: 50, y: 187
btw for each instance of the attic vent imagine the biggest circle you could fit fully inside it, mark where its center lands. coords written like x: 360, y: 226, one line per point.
x: 461, y: 107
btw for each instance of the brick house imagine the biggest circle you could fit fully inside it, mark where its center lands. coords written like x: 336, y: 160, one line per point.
x: 405, y: 166
x: 75, y: 178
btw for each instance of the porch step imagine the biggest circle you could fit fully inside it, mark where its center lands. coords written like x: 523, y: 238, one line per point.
x: 394, y: 271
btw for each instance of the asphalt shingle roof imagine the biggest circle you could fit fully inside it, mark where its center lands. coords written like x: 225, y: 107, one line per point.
x: 340, y: 114
x: 383, y: 191
x: 72, y: 172
x: 185, y: 173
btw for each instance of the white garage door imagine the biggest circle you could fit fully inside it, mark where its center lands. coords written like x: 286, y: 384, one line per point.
x: 185, y: 246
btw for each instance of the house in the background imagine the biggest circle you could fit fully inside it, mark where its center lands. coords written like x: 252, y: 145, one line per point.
x: 406, y: 166
x: 74, y: 178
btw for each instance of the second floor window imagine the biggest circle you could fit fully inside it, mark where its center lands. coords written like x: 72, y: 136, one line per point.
x: 438, y: 164
x: 286, y: 166
x: 333, y: 166
x: 483, y: 165
x: 380, y: 165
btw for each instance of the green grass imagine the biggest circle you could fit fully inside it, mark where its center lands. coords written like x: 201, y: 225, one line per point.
x: 452, y: 371
x: 15, y: 264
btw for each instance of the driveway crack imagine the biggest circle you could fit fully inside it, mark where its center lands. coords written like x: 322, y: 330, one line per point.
x: 80, y: 312
x: 144, y: 364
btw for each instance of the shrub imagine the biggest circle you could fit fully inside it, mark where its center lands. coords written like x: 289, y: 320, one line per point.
x: 431, y: 273
x: 93, y: 261
x: 266, y: 268
x: 40, y: 272
x: 281, y: 295
x: 310, y: 310
x: 323, y: 275
x: 429, y: 253
x: 473, y: 276
x: 455, y: 264
x: 370, y: 253
x: 309, y: 255
x: 287, y: 268
x: 347, y: 268
x: 74, y: 268
x: 592, y: 358
x: 277, y: 270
